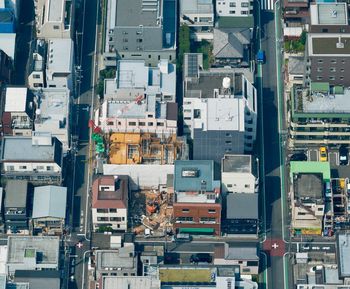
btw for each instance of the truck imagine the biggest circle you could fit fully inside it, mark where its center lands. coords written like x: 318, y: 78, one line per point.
x: 260, y: 56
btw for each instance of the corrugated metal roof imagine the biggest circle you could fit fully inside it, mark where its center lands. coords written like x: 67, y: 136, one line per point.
x: 49, y: 201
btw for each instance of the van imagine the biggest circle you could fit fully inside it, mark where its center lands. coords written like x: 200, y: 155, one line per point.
x: 183, y: 238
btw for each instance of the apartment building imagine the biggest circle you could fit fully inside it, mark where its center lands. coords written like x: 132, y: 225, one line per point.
x: 52, y: 114
x: 49, y: 210
x: 32, y: 253
x: 54, y: 18
x: 110, y: 203
x: 140, y: 29
x: 234, y: 8
x: 238, y: 174
x: 17, y: 118
x: 319, y: 115
x: 197, y: 198
x: 16, y: 206
x: 308, y: 204
x: 219, y: 110
x: 295, y: 15
x: 60, y: 63
x: 37, y: 158
x: 199, y: 16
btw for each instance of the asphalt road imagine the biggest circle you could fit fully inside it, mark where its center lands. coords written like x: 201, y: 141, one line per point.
x: 273, y: 222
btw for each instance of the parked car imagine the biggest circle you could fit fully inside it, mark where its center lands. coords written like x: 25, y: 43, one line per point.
x: 323, y: 154
x: 182, y: 238
x: 201, y: 258
x: 343, y: 156
x: 298, y: 157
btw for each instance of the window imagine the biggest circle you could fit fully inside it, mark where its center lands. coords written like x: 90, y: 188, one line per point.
x: 197, y: 113
x: 158, y: 57
x: 232, y: 4
x: 36, y: 75
x: 150, y: 124
x: 332, y: 78
x: 319, y: 77
x: 102, y: 219
x: 319, y: 69
x: 125, y: 33
x: 22, y: 167
x: 324, y: 30
x: 208, y: 219
x: 125, y: 40
x: 334, y: 61
x: 319, y: 61
x: 10, y: 168
x: 49, y: 168
x: 112, y: 210
x: 185, y: 210
x: 149, y: 56
x: 187, y: 118
x: 244, y: 4
x: 115, y: 219
x: 138, y: 32
x: 229, y: 185
x: 247, y: 186
x: 56, y: 27
x: 102, y: 211
x: 184, y: 219
x: 342, y: 70
x: 187, y: 110
x: 110, y: 123
x: 122, y: 55
x: 232, y: 12
x: 244, y: 12
x: 125, y: 48
x: 170, y: 58
x: 246, y: 270
x: 139, y: 40
x: 40, y: 168
x: 332, y: 69
x: 211, y: 211
x: 132, y: 123
x: 142, y: 123
x: 160, y: 124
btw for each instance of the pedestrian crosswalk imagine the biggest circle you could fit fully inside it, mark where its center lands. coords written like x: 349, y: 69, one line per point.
x: 267, y: 4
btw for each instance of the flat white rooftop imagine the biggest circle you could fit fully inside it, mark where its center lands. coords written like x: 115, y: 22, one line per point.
x: 60, y: 52
x: 55, y: 12
x: 338, y: 103
x: 329, y: 14
x: 8, y: 44
x: 16, y: 99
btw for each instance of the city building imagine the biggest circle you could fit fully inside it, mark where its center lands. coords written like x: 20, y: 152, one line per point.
x: 140, y: 29
x: 328, y: 56
x: 110, y: 197
x: 7, y: 20
x: 134, y: 78
x: 219, y: 110
x: 49, y: 210
x: 319, y: 115
x: 54, y: 18
x: 39, y: 279
x: 218, y: 277
x: 32, y: 253
x: 241, y: 216
x: 8, y: 44
x: 6, y: 68
x: 52, y: 114
x: 197, y: 198
x: 37, y: 158
x: 60, y: 63
x: 131, y: 282
x: 241, y: 8
x: 119, y: 262
x: 231, y: 47
x: 308, y: 204
x: 243, y: 254
x: 296, y: 71
x: 343, y: 251
x: 17, y: 117
x: 199, y: 16
x: 16, y: 205
x: 238, y: 174
x: 146, y: 148
x: 296, y: 16
x: 37, y: 64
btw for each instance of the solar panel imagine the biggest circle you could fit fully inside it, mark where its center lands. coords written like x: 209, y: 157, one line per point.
x: 192, y: 65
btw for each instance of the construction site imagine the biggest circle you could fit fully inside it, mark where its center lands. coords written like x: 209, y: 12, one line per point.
x: 152, y: 211
x: 145, y: 148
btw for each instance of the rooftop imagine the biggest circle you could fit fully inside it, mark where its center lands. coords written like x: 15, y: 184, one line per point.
x: 16, y: 99
x: 137, y: 12
x: 117, y: 198
x: 308, y: 186
x: 6, y: 16
x: 194, y: 176
x: 47, y: 249
x: 8, y: 44
x: 29, y: 151
x: 49, y: 201
x: 53, y: 108
x: 60, y: 53
x: 119, y: 258
x: 332, y: 44
x: 311, y: 167
x: 16, y: 194
x: 329, y: 14
x: 55, y: 10
x: 237, y: 164
x: 236, y: 22
x: 130, y: 282
x: 196, y: 6
x: 39, y: 279
x: 343, y: 241
x: 187, y: 275
x: 242, y: 206
x: 296, y: 65
x: 237, y: 251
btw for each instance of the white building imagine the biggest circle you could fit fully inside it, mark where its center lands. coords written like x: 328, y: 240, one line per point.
x: 110, y: 202
x: 60, y: 63
x: 199, y: 16
x: 234, y: 8
x: 17, y: 117
x: 36, y: 74
x: 52, y: 114
x: 37, y: 158
x: 8, y: 44
x: 237, y: 174
x: 54, y: 18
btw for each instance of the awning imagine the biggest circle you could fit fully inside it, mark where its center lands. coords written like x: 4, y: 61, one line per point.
x: 197, y: 230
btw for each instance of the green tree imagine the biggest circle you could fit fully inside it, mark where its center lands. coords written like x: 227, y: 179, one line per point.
x: 184, y: 44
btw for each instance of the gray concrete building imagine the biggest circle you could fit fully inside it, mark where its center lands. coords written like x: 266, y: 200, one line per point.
x: 140, y: 29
